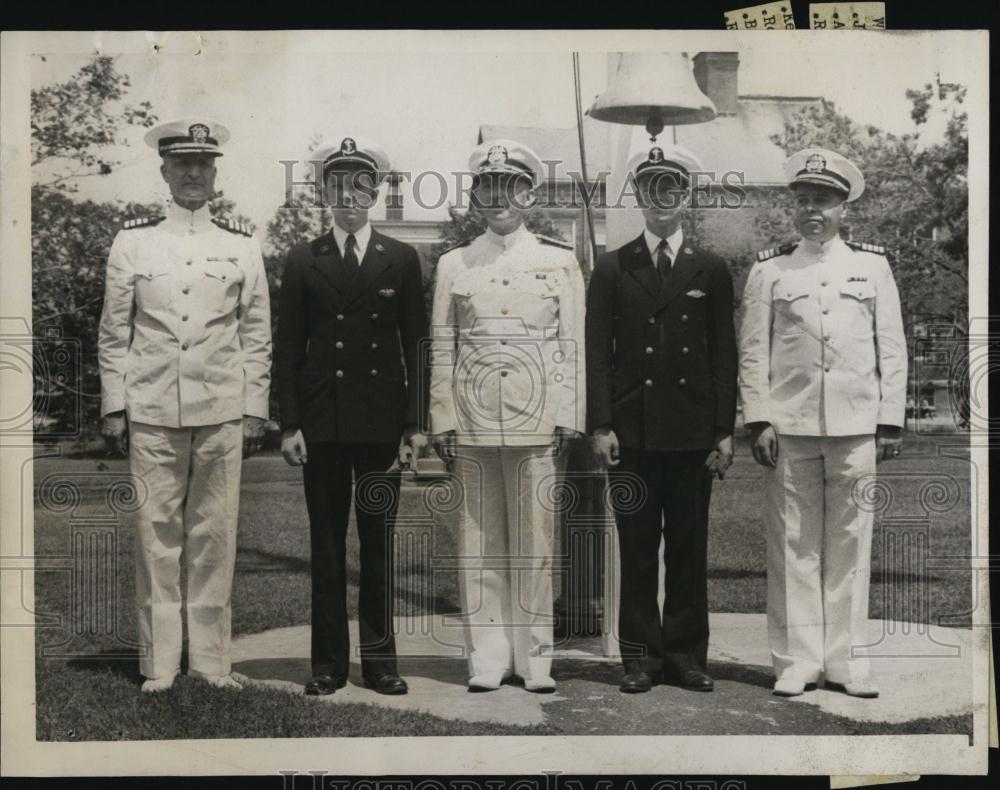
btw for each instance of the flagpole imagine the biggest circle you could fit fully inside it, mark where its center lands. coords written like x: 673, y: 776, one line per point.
x: 588, y: 213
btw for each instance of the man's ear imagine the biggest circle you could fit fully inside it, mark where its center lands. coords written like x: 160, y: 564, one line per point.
x: 163, y: 170
x: 529, y: 200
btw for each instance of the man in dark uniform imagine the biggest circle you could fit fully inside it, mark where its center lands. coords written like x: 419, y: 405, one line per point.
x: 661, y: 396
x: 351, y: 318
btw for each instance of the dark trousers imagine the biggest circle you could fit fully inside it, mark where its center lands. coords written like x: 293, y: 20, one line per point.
x: 663, y: 494
x: 328, y: 482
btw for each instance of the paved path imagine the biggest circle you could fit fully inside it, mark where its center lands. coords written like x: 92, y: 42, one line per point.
x: 922, y: 671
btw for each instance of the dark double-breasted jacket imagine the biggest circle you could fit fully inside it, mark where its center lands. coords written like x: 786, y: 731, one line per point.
x: 349, y: 344
x: 661, y: 351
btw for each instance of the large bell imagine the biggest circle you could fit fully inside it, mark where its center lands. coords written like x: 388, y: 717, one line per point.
x: 653, y: 89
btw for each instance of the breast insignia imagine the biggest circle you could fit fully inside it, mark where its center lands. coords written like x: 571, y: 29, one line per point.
x: 865, y: 246
x: 774, y: 252
x: 233, y: 226
x: 142, y: 222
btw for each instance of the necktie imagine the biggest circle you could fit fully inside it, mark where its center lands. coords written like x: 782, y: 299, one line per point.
x: 662, y: 259
x: 350, y: 256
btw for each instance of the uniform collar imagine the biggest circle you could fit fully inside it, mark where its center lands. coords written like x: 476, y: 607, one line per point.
x: 183, y: 219
x: 674, y: 242
x: 362, y: 237
x: 821, y: 249
x: 508, y: 240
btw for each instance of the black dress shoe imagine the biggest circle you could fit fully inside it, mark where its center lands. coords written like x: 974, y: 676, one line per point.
x: 386, y: 683
x: 696, y: 680
x: 636, y: 682
x: 321, y: 685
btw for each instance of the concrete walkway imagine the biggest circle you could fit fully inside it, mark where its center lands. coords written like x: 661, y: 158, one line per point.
x: 922, y: 671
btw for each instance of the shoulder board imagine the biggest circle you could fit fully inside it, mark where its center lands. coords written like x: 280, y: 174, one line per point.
x: 465, y: 243
x: 774, y: 252
x: 554, y: 242
x: 864, y: 246
x: 232, y: 226
x: 141, y: 222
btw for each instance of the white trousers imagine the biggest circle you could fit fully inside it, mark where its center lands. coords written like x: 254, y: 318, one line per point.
x: 818, y: 557
x: 192, y: 476
x: 506, y: 545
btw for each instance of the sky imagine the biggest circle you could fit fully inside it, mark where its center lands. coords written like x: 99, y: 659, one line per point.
x: 425, y: 108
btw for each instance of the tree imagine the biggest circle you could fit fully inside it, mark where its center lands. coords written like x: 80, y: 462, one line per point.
x: 73, y: 122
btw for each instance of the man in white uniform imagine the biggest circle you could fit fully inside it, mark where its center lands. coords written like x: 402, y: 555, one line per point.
x: 823, y: 382
x: 185, y: 353
x: 507, y: 393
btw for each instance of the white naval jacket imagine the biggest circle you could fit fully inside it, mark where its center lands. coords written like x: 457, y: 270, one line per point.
x: 822, y: 350
x: 185, y: 333
x: 507, y: 331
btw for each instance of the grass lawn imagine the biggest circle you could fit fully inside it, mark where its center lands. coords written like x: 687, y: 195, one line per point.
x: 87, y: 674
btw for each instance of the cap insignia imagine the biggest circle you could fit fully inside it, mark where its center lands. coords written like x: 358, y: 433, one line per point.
x: 497, y: 156
x: 198, y: 132
x: 815, y: 164
x: 348, y: 146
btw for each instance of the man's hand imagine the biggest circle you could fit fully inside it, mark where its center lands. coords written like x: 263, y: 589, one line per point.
x: 563, y: 438
x: 721, y: 458
x: 293, y: 447
x: 888, y: 442
x: 444, y: 445
x: 764, y: 443
x: 606, y: 448
x: 114, y: 429
x: 411, y: 446
x: 253, y: 432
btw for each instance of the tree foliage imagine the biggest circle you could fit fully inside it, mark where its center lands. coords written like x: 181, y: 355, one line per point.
x: 74, y: 122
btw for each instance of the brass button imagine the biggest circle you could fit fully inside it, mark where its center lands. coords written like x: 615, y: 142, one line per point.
x: 340, y: 374
x: 503, y: 373
x: 184, y: 317
x: 652, y: 320
x: 684, y: 318
x: 682, y: 382
x: 340, y: 316
x: 339, y: 344
x: 684, y: 350
x: 184, y: 346
x: 827, y: 369
x: 649, y: 382
x: 374, y: 316
x: 824, y: 283
x: 649, y: 349
x: 826, y: 337
x: 187, y: 289
x: 826, y: 311
x: 189, y: 263
x: 374, y: 372
x: 506, y: 282
x: 503, y: 342
x: 374, y: 345
x: 503, y: 311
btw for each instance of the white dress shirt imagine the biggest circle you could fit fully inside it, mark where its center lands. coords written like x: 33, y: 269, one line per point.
x: 361, y: 237
x: 674, y: 242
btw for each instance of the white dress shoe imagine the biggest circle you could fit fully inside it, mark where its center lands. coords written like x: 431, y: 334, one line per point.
x: 792, y: 687
x: 544, y: 685
x: 487, y: 681
x: 219, y: 681
x: 156, y: 685
x: 857, y: 688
